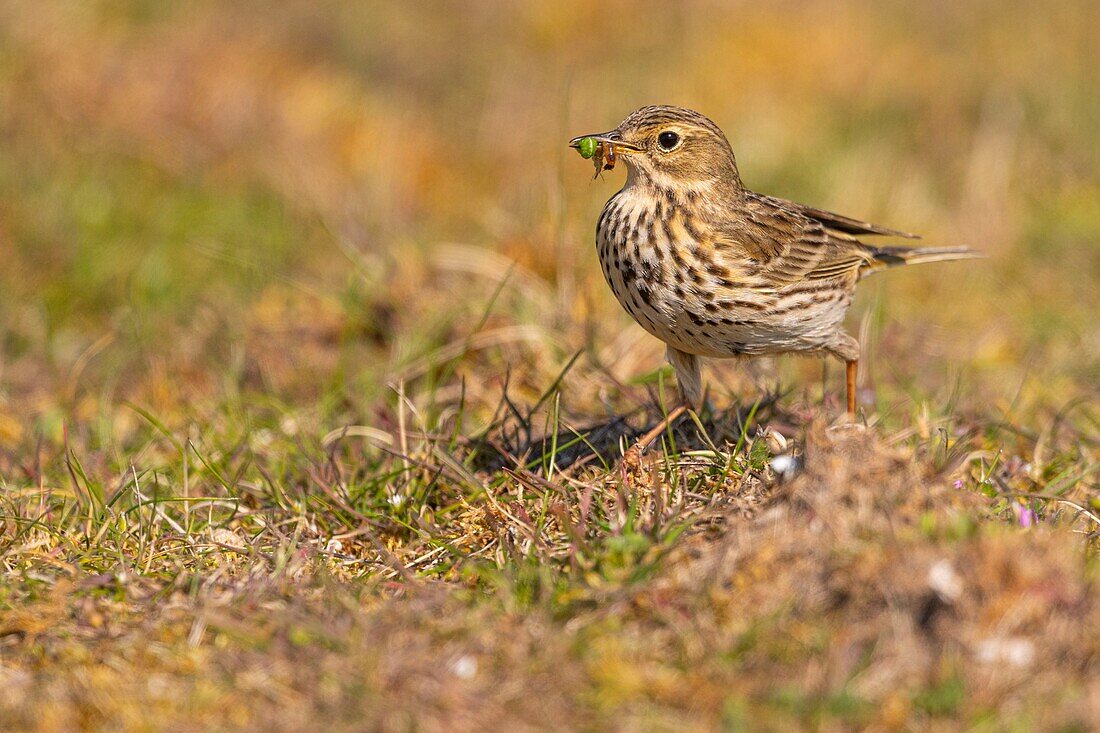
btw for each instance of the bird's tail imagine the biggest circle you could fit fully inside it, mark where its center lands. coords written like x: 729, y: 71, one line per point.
x: 886, y: 257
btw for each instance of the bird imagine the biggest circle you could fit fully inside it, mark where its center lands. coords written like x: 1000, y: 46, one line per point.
x: 716, y: 270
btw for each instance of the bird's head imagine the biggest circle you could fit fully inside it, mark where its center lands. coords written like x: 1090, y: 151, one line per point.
x: 671, y: 146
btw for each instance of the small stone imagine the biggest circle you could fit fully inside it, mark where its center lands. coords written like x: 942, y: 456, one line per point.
x: 785, y: 466
x: 465, y: 667
x: 946, y: 583
x: 1015, y: 651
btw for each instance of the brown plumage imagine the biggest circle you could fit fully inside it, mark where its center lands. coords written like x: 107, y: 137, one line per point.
x: 716, y: 270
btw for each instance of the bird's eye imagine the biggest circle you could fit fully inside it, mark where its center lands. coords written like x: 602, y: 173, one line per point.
x: 667, y: 140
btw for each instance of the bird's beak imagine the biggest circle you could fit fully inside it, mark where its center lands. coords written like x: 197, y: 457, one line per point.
x: 610, y: 138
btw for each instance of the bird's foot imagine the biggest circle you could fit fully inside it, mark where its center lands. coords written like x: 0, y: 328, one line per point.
x: 846, y: 427
x: 633, y: 456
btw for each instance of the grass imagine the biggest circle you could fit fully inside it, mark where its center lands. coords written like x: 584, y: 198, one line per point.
x: 312, y: 396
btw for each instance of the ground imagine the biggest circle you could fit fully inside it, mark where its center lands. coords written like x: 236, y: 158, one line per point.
x: 312, y: 396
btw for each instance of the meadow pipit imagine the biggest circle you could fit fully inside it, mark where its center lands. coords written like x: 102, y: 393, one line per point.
x: 716, y: 270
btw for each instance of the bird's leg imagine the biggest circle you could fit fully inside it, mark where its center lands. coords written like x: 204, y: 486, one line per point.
x: 846, y: 348
x: 689, y: 376
x: 852, y: 370
x: 690, y: 381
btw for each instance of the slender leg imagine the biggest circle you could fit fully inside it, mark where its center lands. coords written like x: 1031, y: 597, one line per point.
x: 688, y: 376
x: 853, y: 370
x: 689, y: 379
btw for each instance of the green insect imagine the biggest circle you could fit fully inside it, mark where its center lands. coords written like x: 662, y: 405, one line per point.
x: 601, y: 152
x: 587, y: 147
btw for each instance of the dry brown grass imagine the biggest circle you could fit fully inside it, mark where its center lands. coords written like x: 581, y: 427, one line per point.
x: 865, y: 592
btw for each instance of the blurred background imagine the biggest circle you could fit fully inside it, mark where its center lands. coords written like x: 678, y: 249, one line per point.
x: 301, y: 208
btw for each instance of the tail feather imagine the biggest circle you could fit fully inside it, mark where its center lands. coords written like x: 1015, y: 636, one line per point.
x: 886, y: 257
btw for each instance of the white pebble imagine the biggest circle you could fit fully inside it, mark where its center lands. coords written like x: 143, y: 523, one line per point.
x: 1016, y: 651
x: 943, y: 579
x: 464, y: 667
x: 785, y: 466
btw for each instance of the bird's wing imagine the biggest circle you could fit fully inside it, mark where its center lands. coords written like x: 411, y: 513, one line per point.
x: 786, y: 245
x: 838, y: 222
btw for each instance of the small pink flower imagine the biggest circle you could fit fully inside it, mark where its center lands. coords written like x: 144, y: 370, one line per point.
x: 958, y: 483
x: 1025, y: 516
